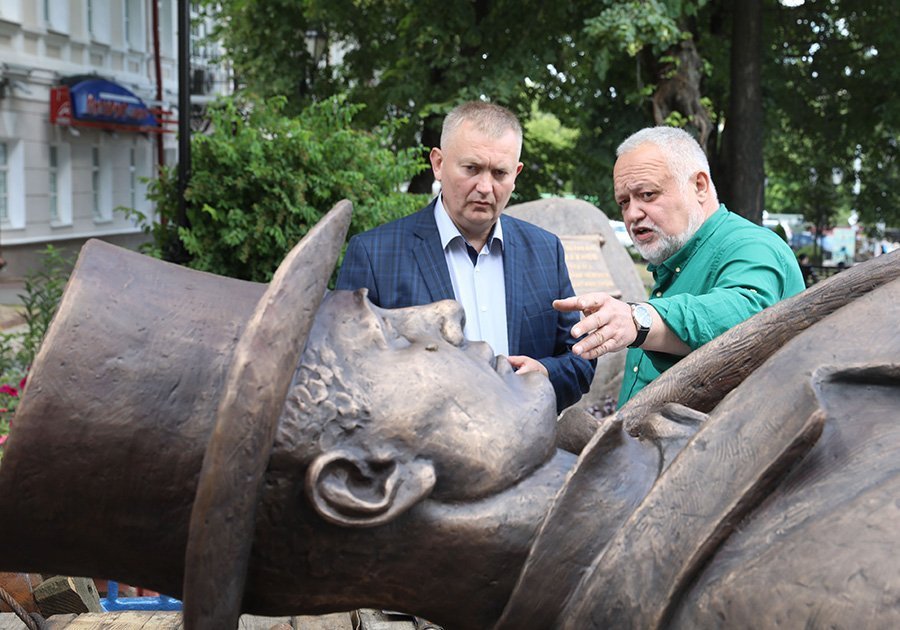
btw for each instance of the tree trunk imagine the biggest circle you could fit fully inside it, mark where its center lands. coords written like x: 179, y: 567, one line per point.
x: 745, y: 124
x: 431, y: 137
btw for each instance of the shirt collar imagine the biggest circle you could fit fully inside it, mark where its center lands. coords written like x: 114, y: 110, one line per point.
x: 448, y: 230
x: 687, y: 251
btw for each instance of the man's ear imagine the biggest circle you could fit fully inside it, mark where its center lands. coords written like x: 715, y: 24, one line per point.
x: 701, y: 186
x: 437, y: 162
x: 349, y: 489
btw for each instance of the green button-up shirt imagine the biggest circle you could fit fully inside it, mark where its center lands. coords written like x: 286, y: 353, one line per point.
x: 727, y: 272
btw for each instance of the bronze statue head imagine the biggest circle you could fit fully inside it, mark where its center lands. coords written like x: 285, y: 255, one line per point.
x: 391, y: 433
x: 276, y: 450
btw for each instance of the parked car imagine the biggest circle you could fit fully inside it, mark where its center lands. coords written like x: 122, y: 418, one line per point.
x: 622, y: 234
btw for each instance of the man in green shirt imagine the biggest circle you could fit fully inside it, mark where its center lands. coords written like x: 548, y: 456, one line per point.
x: 712, y: 268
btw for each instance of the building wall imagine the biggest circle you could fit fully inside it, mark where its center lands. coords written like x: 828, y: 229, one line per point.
x: 74, y: 196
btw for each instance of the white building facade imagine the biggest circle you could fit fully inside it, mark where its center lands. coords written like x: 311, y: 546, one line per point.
x: 63, y: 178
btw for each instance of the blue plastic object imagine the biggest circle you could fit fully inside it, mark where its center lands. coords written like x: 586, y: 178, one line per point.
x: 113, y: 602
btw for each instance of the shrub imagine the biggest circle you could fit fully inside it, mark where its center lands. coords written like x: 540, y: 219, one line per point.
x: 261, y: 179
x: 43, y: 291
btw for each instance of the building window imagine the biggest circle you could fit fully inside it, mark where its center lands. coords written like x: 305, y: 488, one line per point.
x: 97, y: 20
x: 95, y: 182
x: 103, y: 161
x: 12, y: 183
x: 4, y: 178
x: 56, y: 15
x: 11, y: 10
x: 128, y: 22
x: 133, y: 24
x: 132, y: 177
x: 59, y: 185
x: 53, y: 183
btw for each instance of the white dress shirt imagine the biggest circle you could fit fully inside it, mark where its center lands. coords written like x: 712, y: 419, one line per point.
x: 480, y: 288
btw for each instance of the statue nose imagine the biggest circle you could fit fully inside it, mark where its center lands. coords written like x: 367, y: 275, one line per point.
x: 451, y: 319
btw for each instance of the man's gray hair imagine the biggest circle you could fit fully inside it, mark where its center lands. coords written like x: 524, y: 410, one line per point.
x: 488, y: 118
x: 682, y: 151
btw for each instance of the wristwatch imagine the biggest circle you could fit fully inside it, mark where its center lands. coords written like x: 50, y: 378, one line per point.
x: 642, y: 321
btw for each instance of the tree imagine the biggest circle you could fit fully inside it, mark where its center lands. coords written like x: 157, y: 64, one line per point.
x: 745, y: 119
x: 836, y: 72
x: 605, y: 69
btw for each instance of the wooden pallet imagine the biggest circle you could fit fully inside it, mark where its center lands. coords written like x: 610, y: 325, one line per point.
x: 150, y: 620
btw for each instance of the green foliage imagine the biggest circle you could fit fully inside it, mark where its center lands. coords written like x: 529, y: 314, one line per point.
x: 633, y: 25
x: 267, y: 46
x: 814, y: 256
x: 779, y: 230
x: 261, y: 179
x: 547, y: 145
x: 833, y: 145
x: 43, y: 291
x: 827, y: 77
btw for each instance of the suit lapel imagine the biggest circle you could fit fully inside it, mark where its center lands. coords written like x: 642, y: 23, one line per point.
x: 430, y: 256
x: 512, y: 266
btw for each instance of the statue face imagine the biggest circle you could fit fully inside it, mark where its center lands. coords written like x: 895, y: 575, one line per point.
x: 429, y: 392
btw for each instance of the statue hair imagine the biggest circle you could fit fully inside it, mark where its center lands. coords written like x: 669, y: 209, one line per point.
x: 321, y: 410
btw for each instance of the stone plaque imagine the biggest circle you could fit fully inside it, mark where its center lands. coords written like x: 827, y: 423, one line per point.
x: 587, y: 266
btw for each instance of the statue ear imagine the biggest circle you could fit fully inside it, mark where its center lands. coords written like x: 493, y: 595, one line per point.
x: 351, y: 490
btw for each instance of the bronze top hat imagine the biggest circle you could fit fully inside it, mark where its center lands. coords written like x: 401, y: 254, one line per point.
x: 235, y: 345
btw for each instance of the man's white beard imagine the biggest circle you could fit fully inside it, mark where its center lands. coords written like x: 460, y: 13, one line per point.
x: 666, y: 244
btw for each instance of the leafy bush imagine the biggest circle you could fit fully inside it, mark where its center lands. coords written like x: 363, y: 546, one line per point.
x: 548, y: 147
x: 43, y: 291
x: 261, y: 179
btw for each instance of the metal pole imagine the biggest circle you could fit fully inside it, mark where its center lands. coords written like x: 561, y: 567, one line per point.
x: 184, y: 106
x: 157, y: 71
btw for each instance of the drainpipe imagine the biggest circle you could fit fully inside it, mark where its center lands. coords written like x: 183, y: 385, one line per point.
x: 184, y: 107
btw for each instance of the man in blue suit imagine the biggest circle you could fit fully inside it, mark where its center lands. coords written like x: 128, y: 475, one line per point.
x: 505, y: 272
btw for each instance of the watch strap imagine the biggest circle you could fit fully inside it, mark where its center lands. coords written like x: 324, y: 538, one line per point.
x: 642, y: 331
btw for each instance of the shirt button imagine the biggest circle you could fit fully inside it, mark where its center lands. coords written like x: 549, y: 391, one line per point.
x: 659, y: 294
x: 484, y: 309
x: 677, y: 269
x: 634, y: 369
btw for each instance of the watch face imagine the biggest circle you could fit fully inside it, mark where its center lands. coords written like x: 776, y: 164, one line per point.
x: 642, y: 315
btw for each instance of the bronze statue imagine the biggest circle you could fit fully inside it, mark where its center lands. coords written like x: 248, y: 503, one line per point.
x: 166, y: 439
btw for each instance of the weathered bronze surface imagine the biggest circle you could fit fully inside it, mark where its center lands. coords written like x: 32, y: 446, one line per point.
x: 409, y: 470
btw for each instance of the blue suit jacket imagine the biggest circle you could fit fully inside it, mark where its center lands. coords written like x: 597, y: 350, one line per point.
x: 402, y: 264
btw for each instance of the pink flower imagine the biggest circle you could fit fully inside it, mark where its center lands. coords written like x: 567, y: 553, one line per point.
x: 22, y: 382
x: 9, y: 389
x: 3, y: 439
